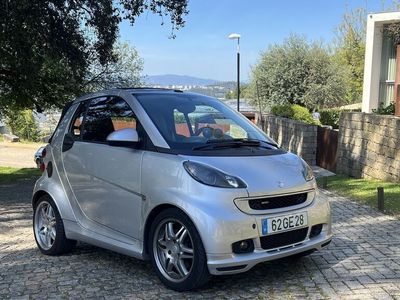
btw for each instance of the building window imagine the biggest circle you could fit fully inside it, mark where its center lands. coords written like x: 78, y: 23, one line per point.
x: 388, y: 71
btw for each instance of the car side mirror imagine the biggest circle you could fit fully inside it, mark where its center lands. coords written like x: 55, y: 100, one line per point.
x: 126, y: 137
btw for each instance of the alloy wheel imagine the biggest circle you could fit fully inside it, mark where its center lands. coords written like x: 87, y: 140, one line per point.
x: 173, y: 250
x: 45, y: 225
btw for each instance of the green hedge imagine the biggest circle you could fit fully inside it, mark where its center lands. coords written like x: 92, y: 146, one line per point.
x: 295, y: 112
x: 382, y: 110
x: 330, y: 117
x: 284, y: 111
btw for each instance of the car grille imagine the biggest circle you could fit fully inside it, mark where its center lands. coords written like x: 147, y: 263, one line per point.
x: 283, y: 239
x: 277, y: 202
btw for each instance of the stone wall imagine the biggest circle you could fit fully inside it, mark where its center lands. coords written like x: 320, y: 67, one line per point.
x: 369, y: 146
x: 294, y: 136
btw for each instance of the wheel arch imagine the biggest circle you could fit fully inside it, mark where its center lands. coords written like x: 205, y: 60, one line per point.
x: 39, y: 194
x: 60, y: 201
x: 149, y: 220
x: 152, y: 215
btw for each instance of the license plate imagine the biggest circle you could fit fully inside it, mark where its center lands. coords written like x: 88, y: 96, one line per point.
x: 284, y: 223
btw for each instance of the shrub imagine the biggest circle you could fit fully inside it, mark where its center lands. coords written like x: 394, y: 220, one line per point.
x: 295, y: 112
x: 301, y: 113
x: 330, y: 117
x: 382, y: 110
x: 284, y: 111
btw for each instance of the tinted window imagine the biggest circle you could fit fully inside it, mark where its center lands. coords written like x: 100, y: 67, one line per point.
x: 105, y: 115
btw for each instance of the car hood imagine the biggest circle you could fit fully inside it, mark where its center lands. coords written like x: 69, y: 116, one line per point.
x: 263, y: 175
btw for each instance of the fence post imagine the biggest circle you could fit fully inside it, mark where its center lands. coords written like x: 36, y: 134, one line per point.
x: 381, y: 198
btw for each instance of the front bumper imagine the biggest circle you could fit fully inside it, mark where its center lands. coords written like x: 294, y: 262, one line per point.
x: 238, y: 263
x: 318, y: 212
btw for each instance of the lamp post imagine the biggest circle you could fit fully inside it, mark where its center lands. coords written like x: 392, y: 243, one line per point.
x: 234, y: 36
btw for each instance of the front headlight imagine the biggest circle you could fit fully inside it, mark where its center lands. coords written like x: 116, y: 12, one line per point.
x: 307, y: 171
x: 210, y: 176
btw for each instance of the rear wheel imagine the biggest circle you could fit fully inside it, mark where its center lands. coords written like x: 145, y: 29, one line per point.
x: 177, y: 252
x: 48, y: 228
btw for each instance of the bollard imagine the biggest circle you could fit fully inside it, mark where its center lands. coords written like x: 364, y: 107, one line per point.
x: 324, y: 182
x: 381, y: 198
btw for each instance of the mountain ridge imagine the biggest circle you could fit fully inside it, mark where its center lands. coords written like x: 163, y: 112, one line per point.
x: 174, y: 79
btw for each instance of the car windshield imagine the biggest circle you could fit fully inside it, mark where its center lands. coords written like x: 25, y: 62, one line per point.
x: 190, y: 121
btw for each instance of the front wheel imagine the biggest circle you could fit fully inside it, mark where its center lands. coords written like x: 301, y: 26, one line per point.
x: 177, y: 252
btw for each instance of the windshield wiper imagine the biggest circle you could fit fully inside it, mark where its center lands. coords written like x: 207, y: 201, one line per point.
x: 219, y: 144
x: 259, y: 141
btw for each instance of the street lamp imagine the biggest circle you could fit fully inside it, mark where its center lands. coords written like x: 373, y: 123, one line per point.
x: 234, y: 36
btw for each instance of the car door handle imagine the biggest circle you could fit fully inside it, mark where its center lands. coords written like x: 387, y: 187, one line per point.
x: 68, y: 142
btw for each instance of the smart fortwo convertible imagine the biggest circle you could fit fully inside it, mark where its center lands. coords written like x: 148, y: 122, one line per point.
x: 177, y: 178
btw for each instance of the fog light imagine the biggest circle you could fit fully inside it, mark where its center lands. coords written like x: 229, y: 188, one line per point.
x: 315, y: 230
x: 244, y: 246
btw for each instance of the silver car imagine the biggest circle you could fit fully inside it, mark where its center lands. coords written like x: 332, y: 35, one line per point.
x: 177, y: 178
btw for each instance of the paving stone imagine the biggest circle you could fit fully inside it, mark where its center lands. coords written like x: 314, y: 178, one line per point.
x: 362, y: 262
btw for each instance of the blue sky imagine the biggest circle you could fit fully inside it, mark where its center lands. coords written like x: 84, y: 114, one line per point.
x: 202, y: 48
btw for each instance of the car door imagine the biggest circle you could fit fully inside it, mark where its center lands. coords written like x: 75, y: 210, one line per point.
x: 105, y: 179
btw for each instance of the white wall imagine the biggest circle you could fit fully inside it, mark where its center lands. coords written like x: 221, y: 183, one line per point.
x: 373, y: 51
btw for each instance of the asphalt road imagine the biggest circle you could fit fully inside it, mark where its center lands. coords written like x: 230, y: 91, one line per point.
x: 17, y: 155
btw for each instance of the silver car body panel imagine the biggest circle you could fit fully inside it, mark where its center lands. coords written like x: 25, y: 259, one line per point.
x: 105, y: 195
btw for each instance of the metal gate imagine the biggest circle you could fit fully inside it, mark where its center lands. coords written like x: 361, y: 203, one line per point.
x: 327, y: 144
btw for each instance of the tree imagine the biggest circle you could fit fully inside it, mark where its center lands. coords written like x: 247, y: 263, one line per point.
x: 46, y: 46
x: 125, y: 71
x: 232, y: 94
x: 23, y: 124
x: 350, y: 51
x: 350, y: 47
x: 297, y: 72
x: 393, y: 31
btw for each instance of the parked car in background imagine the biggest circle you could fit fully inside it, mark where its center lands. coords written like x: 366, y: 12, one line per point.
x: 38, y: 156
x: 177, y: 178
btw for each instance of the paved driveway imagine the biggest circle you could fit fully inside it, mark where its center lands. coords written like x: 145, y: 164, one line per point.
x: 363, y: 262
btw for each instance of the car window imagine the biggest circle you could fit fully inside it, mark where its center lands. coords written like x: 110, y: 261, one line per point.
x: 76, y: 125
x: 187, y: 121
x: 104, y: 116
x: 205, y: 118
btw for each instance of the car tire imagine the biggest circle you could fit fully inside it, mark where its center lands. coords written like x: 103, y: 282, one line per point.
x: 48, y: 228
x: 176, y: 251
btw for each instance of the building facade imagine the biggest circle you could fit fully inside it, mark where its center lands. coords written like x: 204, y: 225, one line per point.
x: 380, y: 80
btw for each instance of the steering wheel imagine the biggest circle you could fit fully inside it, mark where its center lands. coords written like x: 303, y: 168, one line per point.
x: 207, y: 131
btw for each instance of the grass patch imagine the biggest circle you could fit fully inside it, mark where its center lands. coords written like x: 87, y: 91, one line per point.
x: 364, y: 191
x: 8, y: 174
x: 1, y: 138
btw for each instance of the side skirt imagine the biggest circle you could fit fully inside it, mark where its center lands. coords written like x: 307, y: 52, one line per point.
x: 74, y: 231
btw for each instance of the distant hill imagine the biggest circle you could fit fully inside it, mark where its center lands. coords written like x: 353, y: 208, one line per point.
x: 171, y: 79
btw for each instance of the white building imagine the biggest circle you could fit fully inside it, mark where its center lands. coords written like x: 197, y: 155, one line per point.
x: 380, y: 62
